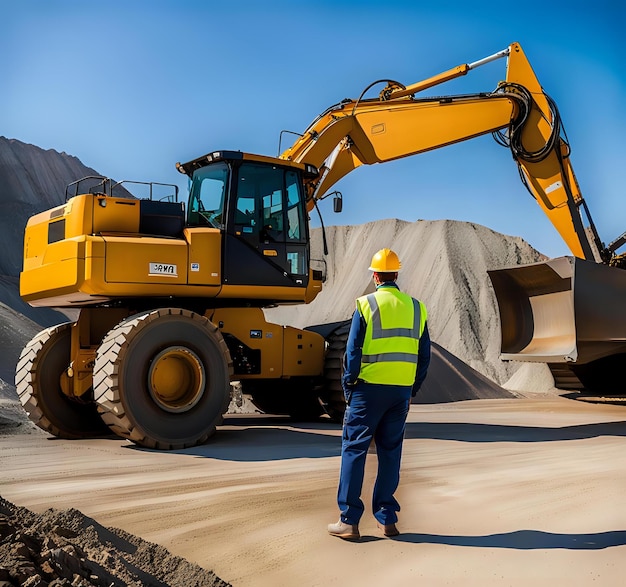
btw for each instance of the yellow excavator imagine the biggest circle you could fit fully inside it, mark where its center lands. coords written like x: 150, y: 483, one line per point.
x: 171, y: 297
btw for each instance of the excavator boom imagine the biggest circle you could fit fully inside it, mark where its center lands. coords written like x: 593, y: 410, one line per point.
x: 399, y: 124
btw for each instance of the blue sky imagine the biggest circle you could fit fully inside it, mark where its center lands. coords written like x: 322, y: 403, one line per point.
x: 131, y: 87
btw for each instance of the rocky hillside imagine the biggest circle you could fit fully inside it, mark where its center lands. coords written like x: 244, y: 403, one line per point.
x: 31, y: 180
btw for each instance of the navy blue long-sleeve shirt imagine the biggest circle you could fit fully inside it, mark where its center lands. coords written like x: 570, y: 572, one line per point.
x: 354, y: 351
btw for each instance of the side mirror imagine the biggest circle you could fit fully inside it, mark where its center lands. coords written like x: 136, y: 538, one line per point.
x: 338, y: 202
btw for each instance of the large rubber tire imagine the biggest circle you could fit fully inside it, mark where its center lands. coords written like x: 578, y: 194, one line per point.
x: 37, y: 379
x: 296, y: 398
x: 162, y: 378
x: 332, y: 396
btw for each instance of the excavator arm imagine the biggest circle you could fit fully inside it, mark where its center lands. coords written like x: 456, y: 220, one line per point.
x: 567, y: 312
x: 399, y: 124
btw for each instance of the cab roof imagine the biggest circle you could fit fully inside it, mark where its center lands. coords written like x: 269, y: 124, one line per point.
x: 214, y: 156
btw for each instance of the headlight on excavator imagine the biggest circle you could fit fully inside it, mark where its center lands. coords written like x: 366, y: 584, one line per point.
x: 310, y: 171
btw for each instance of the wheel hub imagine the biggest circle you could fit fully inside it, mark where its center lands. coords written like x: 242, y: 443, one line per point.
x: 176, y: 379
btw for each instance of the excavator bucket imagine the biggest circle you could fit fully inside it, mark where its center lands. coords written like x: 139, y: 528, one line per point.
x: 570, y: 314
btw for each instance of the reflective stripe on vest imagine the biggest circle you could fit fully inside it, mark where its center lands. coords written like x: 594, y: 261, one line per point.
x: 390, y: 353
x: 377, y: 328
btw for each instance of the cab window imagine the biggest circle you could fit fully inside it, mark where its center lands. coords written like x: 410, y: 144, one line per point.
x: 295, y: 208
x: 206, y: 200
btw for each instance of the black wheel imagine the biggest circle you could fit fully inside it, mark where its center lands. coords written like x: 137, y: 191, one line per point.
x: 38, y: 381
x: 332, y: 396
x: 162, y: 378
x: 297, y: 398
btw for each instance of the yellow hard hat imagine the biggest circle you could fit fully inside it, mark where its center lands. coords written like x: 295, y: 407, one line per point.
x: 385, y: 261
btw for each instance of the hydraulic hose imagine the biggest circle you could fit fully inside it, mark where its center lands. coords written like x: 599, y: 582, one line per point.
x: 512, y: 137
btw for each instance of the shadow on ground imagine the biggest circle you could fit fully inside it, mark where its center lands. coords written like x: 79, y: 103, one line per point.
x: 524, y: 540
x: 468, y: 432
x: 270, y: 438
x: 267, y: 439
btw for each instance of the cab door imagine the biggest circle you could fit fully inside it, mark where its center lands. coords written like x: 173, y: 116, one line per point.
x: 267, y: 238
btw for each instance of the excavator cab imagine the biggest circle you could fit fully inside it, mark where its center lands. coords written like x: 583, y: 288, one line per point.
x: 259, y: 205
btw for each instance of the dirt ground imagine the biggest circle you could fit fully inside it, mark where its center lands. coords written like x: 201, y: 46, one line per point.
x: 493, y: 492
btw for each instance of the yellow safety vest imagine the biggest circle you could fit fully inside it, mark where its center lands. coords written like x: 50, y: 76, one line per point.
x: 394, y: 324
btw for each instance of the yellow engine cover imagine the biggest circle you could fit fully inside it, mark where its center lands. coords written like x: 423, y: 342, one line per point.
x: 89, y: 250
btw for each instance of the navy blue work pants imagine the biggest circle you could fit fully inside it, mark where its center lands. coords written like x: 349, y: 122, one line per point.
x: 378, y: 413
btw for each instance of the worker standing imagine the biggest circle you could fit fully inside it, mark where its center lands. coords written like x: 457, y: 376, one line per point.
x: 386, y: 361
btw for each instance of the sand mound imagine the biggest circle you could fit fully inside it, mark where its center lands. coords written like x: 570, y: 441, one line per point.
x: 532, y: 379
x: 445, y: 265
x: 65, y: 548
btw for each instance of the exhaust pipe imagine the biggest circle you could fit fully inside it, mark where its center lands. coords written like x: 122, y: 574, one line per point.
x: 566, y: 312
